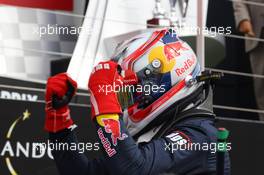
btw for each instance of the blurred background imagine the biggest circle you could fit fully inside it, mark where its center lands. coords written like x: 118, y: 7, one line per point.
x: 41, y: 38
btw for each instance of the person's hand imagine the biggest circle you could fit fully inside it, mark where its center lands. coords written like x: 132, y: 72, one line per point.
x: 59, y: 91
x: 246, y: 28
x: 104, y: 82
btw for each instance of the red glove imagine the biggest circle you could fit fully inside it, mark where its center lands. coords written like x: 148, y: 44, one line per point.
x: 103, y: 82
x: 59, y: 91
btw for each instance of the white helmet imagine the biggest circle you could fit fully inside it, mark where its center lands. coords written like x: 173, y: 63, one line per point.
x: 162, y: 64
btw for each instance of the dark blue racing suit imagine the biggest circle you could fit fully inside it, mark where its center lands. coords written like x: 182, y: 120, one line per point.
x: 162, y: 155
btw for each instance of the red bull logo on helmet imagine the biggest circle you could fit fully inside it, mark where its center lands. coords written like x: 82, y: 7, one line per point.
x: 188, y: 64
x: 167, y: 55
x: 172, y: 50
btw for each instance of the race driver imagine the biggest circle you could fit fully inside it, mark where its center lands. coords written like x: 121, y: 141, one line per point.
x: 150, y: 126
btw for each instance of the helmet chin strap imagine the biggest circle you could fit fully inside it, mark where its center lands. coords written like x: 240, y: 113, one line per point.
x: 200, y: 99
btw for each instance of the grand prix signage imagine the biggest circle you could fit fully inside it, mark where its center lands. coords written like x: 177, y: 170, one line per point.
x: 21, y: 132
x: 22, y: 135
x: 22, y: 129
x: 45, y: 4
